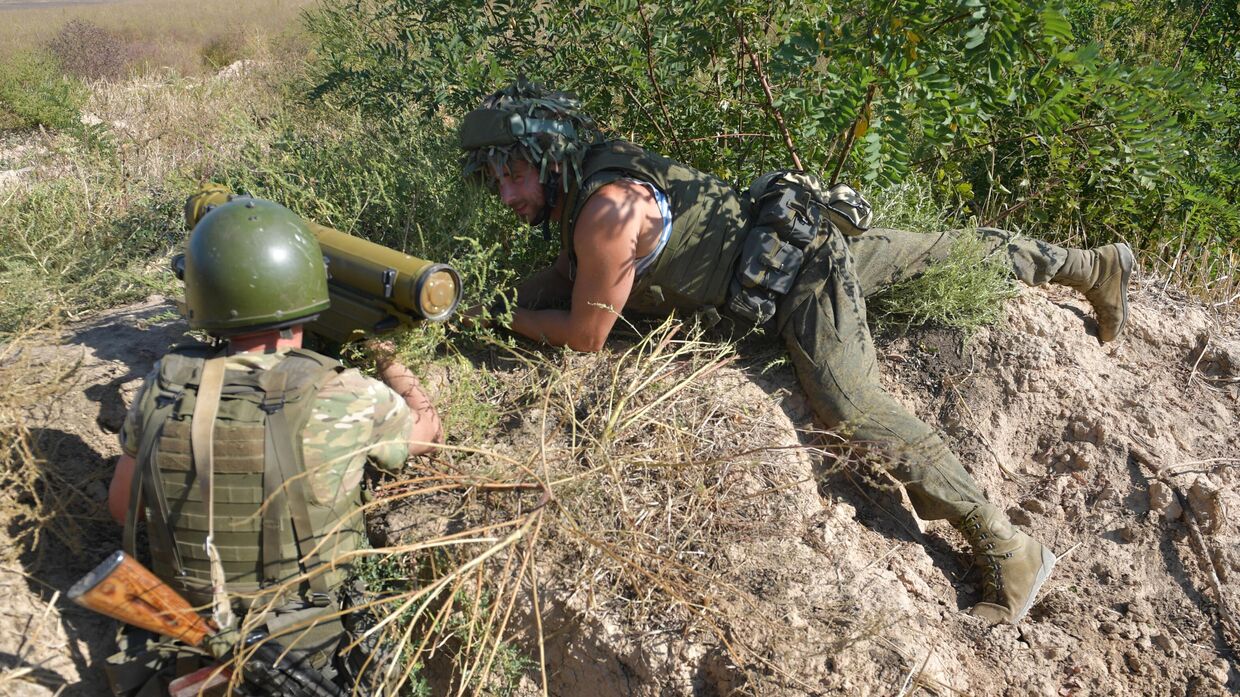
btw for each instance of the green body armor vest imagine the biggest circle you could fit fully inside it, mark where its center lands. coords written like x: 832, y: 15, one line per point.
x: 258, y: 458
x: 709, y: 220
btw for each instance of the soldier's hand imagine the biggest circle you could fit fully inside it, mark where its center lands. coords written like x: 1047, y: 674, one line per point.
x: 475, y: 317
x: 379, y: 349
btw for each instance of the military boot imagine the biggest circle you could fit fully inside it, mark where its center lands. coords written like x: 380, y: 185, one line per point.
x: 1013, y: 565
x: 1102, y: 275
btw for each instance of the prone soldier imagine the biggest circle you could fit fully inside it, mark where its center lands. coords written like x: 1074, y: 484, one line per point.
x: 642, y: 233
x: 246, y: 456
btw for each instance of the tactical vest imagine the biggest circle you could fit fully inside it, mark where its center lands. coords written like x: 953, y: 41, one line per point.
x: 258, y: 459
x: 709, y: 220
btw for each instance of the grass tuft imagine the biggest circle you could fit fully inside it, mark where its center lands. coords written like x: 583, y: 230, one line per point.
x: 34, y: 93
x: 965, y: 291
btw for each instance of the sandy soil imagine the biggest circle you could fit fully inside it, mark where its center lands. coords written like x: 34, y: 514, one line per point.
x: 842, y: 590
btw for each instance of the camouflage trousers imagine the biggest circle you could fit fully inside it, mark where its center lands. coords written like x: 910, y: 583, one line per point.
x: 822, y: 320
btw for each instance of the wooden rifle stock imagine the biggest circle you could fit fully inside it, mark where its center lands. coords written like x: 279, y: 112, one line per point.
x: 124, y: 589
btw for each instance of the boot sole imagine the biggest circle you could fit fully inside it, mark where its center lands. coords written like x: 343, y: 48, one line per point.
x: 1048, y: 564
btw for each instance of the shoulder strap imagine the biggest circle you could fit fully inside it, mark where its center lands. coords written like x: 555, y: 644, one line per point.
x: 290, y: 389
x: 177, y: 368
x: 202, y: 446
x: 604, y: 164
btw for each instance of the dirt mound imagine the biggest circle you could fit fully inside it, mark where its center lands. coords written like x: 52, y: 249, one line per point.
x: 793, y: 574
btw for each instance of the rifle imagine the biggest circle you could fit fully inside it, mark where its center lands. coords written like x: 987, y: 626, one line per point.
x: 373, y: 289
x: 125, y: 590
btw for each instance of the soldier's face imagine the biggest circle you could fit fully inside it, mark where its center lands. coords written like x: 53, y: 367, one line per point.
x: 519, y: 189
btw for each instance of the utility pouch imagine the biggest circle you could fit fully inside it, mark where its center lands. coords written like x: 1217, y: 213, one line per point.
x: 768, y: 262
x: 793, y: 213
x: 767, y: 268
x: 848, y: 211
x: 756, y: 305
x: 789, y: 210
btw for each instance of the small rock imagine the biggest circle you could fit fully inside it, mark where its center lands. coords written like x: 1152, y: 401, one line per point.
x: 1134, y: 663
x: 1217, y: 671
x: 1163, y: 501
x: 1203, y: 497
x: 1033, y: 506
x: 1139, y: 610
x: 1019, y: 516
x: 1086, y: 431
x: 1166, y: 643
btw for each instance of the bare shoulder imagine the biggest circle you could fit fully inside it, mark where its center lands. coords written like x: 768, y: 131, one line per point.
x: 617, y: 208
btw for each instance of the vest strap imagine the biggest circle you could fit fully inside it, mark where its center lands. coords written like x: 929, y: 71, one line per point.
x: 285, y: 463
x: 157, y: 525
x: 202, y: 443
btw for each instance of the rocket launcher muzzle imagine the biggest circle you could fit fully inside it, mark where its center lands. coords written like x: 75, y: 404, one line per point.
x: 373, y: 289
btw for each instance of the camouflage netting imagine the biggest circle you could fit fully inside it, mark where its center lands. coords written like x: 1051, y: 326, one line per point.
x: 566, y: 144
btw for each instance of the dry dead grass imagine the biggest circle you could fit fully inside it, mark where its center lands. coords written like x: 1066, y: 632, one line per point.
x: 32, y: 497
x: 618, y: 478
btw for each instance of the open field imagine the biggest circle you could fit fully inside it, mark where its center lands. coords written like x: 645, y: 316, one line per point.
x: 158, y: 33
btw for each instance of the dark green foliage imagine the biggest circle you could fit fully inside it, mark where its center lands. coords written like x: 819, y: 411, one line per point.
x: 1084, y: 121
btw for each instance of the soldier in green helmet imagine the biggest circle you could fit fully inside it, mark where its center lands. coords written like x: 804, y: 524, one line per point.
x: 246, y: 456
x: 645, y: 234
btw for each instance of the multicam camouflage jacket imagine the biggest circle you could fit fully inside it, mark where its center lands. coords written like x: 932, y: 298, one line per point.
x: 348, y: 419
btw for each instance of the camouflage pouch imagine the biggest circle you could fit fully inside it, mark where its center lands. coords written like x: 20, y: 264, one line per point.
x: 787, y: 218
x: 767, y: 261
x: 756, y: 305
x: 848, y: 211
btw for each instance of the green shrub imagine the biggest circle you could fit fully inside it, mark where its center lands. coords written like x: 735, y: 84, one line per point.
x: 965, y: 291
x: 34, y: 93
x: 222, y: 50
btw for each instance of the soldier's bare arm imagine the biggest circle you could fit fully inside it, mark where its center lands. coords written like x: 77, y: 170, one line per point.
x: 118, y: 490
x: 425, y: 428
x: 550, y: 287
x: 605, y: 241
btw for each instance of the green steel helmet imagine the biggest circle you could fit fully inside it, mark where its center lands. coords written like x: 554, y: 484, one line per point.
x: 528, y: 121
x: 252, y: 265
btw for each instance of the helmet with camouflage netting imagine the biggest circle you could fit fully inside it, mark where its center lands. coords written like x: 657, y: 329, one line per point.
x: 528, y: 121
x: 252, y: 265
